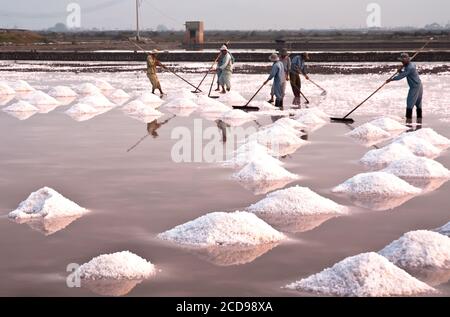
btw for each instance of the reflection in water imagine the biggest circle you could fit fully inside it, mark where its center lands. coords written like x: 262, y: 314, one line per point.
x: 413, y: 127
x: 264, y: 186
x: 46, y: 108
x: 379, y: 203
x: 152, y: 128
x: 223, y: 129
x: 80, y: 117
x: 237, y: 255
x: 48, y: 226
x: 21, y: 115
x: 294, y: 223
x: 110, y: 287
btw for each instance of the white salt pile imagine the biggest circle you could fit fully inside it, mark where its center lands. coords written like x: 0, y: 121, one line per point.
x: 236, y: 114
x: 290, y: 123
x: 233, y: 98
x: 417, y: 250
x: 418, y: 146
x: 117, y: 266
x: 310, y: 120
x: 380, y: 158
x: 433, y: 137
x: 363, y: 275
x: 40, y: 98
x: 62, y: 91
x: 313, y: 110
x: 208, y: 105
x: 5, y: 89
x: 88, y: 89
x: 263, y: 169
x: 445, y: 229
x: 262, y: 105
x: 180, y: 103
x: 21, y: 86
x: 97, y: 101
x: 377, y: 184
x: 249, y: 152
x: 277, y: 138
x: 369, y: 132
x: 150, y: 99
x: 388, y: 124
x: 21, y: 106
x: 81, y: 108
x: 223, y: 229
x: 139, y: 108
x: 119, y: 94
x: 103, y: 85
x: 46, y: 203
x: 296, y: 201
x: 417, y: 167
x: 182, y: 94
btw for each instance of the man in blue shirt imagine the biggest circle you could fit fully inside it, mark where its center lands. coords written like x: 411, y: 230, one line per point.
x: 279, y: 79
x: 298, y: 67
x: 408, y: 70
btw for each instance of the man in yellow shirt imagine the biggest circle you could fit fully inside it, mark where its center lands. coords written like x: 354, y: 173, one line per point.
x: 152, y: 62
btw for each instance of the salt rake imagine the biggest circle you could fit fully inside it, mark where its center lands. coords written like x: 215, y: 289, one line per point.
x: 247, y: 107
x: 345, y: 119
x: 324, y: 92
x: 210, y: 88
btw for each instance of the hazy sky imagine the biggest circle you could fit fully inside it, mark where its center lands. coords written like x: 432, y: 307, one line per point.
x: 225, y: 14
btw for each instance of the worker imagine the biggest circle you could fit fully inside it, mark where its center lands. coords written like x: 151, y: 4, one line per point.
x: 298, y: 67
x: 219, y: 61
x: 279, y: 79
x: 152, y: 62
x: 286, y: 60
x: 226, y: 69
x: 408, y: 70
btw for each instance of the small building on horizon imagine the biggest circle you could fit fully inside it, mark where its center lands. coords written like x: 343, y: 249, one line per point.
x: 195, y: 34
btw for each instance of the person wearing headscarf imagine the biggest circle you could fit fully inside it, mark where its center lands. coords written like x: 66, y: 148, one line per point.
x: 152, y: 63
x: 225, y: 68
x: 286, y: 60
x: 279, y: 79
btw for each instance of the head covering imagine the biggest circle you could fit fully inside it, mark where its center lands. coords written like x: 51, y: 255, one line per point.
x: 274, y: 57
x: 284, y: 52
x: 404, y: 57
x: 224, y: 48
x: 154, y: 52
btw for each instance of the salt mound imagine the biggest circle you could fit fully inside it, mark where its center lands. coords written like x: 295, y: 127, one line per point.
x: 39, y: 98
x: 62, y: 91
x: 21, y: 106
x: 21, y: 86
x: 248, y: 153
x: 138, y: 107
x: 46, y: 203
x: 236, y: 114
x: 103, y: 85
x: 310, y: 120
x: 418, y: 146
x: 234, y: 98
x: 290, y: 123
x: 120, y: 94
x: 388, y: 124
x: 261, y: 170
x: 223, y: 229
x: 296, y: 201
x: 182, y: 94
x: 433, y: 137
x: 417, y: 167
x: 313, y: 110
x: 363, y: 275
x: 81, y: 108
x: 97, y: 101
x: 419, y: 249
x: 386, y: 155
x: 149, y: 98
x: 277, y: 136
x: 262, y: 105
x: 88, y: 89
x: 209, y: 105
x: 445, y: 229
x: 5, y: 89
x: 120, y: 265
x: 180, y: 103
x: 376, y: 183
x: 368, y: 132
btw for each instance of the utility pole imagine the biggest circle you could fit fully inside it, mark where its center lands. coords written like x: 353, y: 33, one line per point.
x: 137, y: 21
